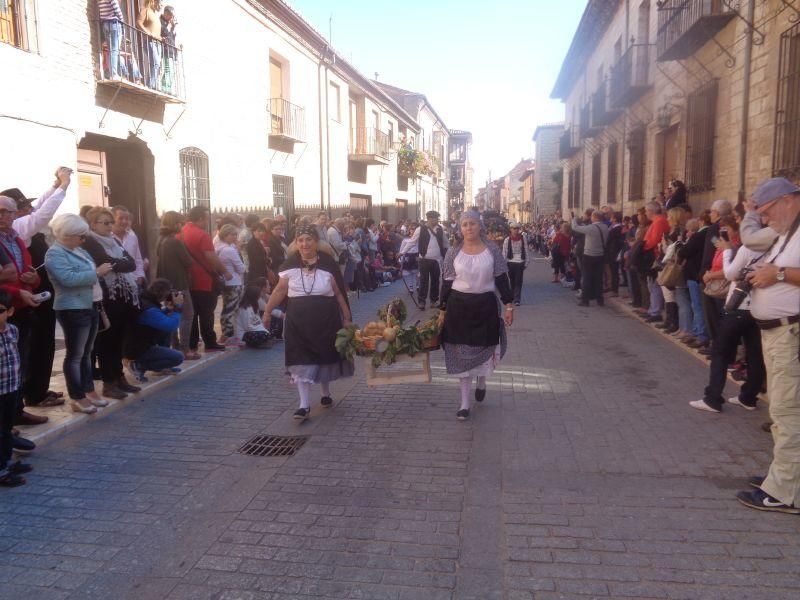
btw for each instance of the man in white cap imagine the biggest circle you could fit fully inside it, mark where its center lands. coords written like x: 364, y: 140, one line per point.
x: 775, y: 305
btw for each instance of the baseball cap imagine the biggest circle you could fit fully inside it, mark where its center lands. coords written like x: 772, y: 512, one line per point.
x: 772, y: 189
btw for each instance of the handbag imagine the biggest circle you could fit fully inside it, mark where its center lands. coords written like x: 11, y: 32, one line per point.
x: 671, y: 276
x: 717, y: 288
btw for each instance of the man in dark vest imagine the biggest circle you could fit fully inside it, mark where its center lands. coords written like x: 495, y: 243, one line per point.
x: 432, y: 244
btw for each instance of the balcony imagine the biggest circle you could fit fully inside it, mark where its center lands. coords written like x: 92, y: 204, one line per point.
x: 602, y: 115
x: 684, y: 26
x: 130, y: 59
x: 369, y: 146
x: 567, y: 145
x: 630, y: 77
x: 587, y: 128
x: 287, y: 121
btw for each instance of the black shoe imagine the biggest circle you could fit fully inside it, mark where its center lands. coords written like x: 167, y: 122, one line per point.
x: 760, y: 500
x: 22, y: 445
x: 326, y: 401
x: 516, y: 303
x: 756, y: 481
x: 705, y: 351
x: 124, y: 386
x: 301, y: 414
x: 110, y: 390
x: 8, y: 479
x: 463, y: 414
x: 653, y: 319
x: 19, y: 468
x: 480, y: 394
x: 767, y: 427
x: 215, y: 348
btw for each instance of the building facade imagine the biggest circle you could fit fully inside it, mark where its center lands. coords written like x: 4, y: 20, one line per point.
x: 705, y: 91
x: 460, y: 184
x: 293, y: 129
x: 547, y: 178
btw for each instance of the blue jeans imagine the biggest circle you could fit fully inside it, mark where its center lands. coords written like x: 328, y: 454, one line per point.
x: 80, y: 328
x: 112, y: 33
x: 698, y: 323
x: 155, y: 51
x: 684, y: 309
x: 158, y: 358
x: 656, y: 297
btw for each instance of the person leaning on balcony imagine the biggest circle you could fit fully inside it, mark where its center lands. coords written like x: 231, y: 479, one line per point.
x: 168, y: 24
x: 111, y: 19
x: 775, y: 304
x: 149, y: 22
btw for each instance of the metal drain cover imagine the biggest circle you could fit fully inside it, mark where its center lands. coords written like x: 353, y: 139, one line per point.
x: 272, y: 445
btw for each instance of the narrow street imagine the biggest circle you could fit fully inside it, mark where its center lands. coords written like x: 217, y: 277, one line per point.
x: 583, y: 473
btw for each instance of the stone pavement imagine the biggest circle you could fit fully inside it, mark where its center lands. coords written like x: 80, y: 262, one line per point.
x: 583, y: 474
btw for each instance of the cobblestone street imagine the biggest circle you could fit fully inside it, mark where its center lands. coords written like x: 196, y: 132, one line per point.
x: 584, y: 473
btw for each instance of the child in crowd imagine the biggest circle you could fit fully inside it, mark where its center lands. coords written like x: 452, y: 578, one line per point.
x: 10, y: 472
x: 146, y: 348
x: 248, y: 325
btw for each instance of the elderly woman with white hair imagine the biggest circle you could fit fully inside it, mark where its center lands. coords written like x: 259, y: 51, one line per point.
x: 74, y: 276
x: 473, y: 336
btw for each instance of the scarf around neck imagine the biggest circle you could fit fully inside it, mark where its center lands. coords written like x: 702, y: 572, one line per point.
x: 120, y: 286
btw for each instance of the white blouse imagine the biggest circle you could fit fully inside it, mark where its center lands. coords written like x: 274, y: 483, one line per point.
x: 308, y: 283
x: 474, y: 272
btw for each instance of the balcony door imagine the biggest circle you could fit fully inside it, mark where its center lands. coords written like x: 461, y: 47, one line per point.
x: 276, y: 92
x: 669, y: 157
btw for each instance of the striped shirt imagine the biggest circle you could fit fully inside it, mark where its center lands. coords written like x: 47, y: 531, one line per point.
x: 109, y: 10
x: 9, y: 360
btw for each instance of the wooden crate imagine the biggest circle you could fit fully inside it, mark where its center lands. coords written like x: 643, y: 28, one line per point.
x: 406, y: 369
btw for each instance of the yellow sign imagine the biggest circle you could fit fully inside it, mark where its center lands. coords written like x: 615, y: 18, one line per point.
x: 85, y: 180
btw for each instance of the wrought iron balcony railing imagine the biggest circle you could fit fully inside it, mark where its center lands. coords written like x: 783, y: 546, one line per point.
x: 630, y: 77
x: 287, y: 120
x: 602, y: 115
x: 684, y: 26
x: 587, y: 128
x: 568, y: 145
x: 131, y: 59
x: 369, y: 145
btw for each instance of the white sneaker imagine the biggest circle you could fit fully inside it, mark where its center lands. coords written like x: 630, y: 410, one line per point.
x: 701, y: 405
x: 99, y: 402
x: 735, y: 400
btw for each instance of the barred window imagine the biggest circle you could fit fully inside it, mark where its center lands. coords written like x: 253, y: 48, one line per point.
x: 701, y: 125
x: 283, y: 196
x: 786, y: 154
x: 18, y: 24
x: 611, y: 188
x: 636, y: 146
x: 596, y: 169
x: 195, y: 183
x: 574, y: 189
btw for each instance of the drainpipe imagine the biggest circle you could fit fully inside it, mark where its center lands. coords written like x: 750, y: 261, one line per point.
x: 321, y: 156
x: 748, y: 56
x: 324, y: 173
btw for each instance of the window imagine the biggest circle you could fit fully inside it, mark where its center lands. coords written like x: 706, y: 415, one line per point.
x: 360, y: 205
x: 574, y: 188
x: 596, y: 170
x: 335, y: 100
x: 391, y: 135
x: 636, y: 146
x: 401, y: 209
x: 786, y: 155
x: 195, y: 184
x: 611, y: 180
x: 18, y: 23
x: 283, y: 196
x: 700, y: 129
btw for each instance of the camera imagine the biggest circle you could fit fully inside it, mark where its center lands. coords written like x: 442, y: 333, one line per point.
x: 740, y: 290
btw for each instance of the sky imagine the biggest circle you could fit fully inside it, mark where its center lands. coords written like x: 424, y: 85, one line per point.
x: 486, y: 66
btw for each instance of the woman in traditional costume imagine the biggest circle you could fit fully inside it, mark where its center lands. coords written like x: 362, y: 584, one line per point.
x: 473, y: 334
x: 316, y: 309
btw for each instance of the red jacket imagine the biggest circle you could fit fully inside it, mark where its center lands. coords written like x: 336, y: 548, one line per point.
x: 656, y: 232
x: 14, y: 287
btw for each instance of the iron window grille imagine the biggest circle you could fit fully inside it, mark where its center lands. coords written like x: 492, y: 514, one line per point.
x: 596, y: 167
x: 786, y: 151
x: 195, y: 183
x: 613, y: 165
x: 701, y: 125
x: 574, y: 191
x: 283, y: 196
x: 636, y: 148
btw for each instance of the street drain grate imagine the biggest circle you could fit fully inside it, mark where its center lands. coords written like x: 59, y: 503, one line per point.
x: 272, y: 445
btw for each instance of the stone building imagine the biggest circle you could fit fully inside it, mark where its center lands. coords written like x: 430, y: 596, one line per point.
x: 705, y: 91
x: 547, y: 199
x: 251, y: 107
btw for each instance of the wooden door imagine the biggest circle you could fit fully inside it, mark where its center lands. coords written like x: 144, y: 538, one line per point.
x: 92, y: 178
x: 670, y: 166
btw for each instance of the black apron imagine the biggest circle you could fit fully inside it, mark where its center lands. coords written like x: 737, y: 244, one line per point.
x: 472, y: 319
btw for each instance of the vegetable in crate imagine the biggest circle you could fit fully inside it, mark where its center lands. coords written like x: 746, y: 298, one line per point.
x: 394, y: 313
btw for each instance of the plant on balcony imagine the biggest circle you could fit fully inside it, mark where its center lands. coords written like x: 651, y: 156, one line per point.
x: 413, y: 163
